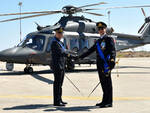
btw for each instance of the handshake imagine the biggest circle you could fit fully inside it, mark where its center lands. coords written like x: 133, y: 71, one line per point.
x: 73, y: 55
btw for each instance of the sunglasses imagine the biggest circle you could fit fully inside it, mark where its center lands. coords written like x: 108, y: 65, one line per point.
x: 101, y: 28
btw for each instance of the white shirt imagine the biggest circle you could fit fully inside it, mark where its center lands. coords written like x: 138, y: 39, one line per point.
x: 102, y: 36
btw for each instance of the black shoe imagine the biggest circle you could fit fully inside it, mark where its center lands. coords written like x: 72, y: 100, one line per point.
x: 98, y: 104
x: 63, y: 102
x: 59, y: 104
x: 105, y: 105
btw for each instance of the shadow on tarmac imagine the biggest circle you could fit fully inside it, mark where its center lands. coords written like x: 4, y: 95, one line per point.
x: 71, y: 109
x: 18, y: 73
x: 50, y: 107
x: 35, y: 74
x: 29, y: 107
x: 43, y: 79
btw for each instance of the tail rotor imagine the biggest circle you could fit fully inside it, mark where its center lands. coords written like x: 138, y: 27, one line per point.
x: 143, y: 12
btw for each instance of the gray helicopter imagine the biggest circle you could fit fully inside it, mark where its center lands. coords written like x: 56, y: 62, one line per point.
x: 80, y: 34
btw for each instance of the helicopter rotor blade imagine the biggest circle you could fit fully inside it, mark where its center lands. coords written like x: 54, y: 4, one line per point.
x: 25, y: 17
x: 90, y: 9
x: 100, y: 3
x: 128, y: 7
x: 96, y: 14
x: 143, y: 12
x: 25, y: 13
x: 118, y: 7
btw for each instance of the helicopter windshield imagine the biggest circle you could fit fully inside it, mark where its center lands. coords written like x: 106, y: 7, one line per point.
x: 35, y: 42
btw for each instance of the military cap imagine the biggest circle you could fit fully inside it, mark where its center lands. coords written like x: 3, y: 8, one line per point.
x: 59, y: 29
x: 101, y: 25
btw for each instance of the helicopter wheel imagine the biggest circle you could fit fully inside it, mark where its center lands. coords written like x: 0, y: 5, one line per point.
x: 70, y: 65
x: 28, y: 70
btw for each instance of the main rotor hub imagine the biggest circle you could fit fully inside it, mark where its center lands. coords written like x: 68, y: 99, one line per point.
x: 70, y: 10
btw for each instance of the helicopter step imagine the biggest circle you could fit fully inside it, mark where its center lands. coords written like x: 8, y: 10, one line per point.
x: 28, y: 69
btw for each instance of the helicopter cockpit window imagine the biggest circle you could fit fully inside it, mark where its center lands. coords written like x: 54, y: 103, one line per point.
x: 35, y: 42
x: 49, y: 45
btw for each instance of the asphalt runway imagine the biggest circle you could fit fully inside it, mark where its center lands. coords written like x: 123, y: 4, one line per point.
x: 32, y: 93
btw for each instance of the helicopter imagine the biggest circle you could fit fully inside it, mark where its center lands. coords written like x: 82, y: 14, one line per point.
x: 80, y: 33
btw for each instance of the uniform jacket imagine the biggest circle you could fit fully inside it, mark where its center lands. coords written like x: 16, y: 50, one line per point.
x: 108, y: 47
x: 58, y: 55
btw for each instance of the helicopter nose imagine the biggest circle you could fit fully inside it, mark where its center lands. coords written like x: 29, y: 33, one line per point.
x: 16, y: 55
x: 6, y: 55
x: 1, y: 56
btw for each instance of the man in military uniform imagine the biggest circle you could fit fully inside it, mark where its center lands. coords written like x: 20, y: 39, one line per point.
x: 58, y: 65
x: 106, y: 53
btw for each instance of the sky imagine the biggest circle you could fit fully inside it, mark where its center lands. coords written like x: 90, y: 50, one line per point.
x: 122, y: 20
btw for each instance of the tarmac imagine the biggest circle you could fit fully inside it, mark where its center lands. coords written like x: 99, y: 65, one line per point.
x: 33, y: 93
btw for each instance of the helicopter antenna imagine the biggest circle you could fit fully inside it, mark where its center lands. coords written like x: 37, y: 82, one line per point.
x: 20, y: 6
x: 108, y: 18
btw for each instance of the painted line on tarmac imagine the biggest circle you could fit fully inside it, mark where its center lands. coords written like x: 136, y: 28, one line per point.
x: 73, y: 97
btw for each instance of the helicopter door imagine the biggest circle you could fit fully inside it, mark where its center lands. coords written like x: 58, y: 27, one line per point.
x: 74, y: 44
x: 83, y: 44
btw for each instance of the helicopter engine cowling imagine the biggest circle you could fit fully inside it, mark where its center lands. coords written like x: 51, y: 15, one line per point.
x: 109, y: 31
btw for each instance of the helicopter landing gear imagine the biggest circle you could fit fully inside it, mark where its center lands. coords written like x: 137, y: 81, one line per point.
x: 70, y: 65
x: 28, y: 69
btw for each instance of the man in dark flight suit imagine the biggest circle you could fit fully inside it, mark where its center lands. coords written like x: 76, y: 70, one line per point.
x: 107, y: 46
x: 58, y: 65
